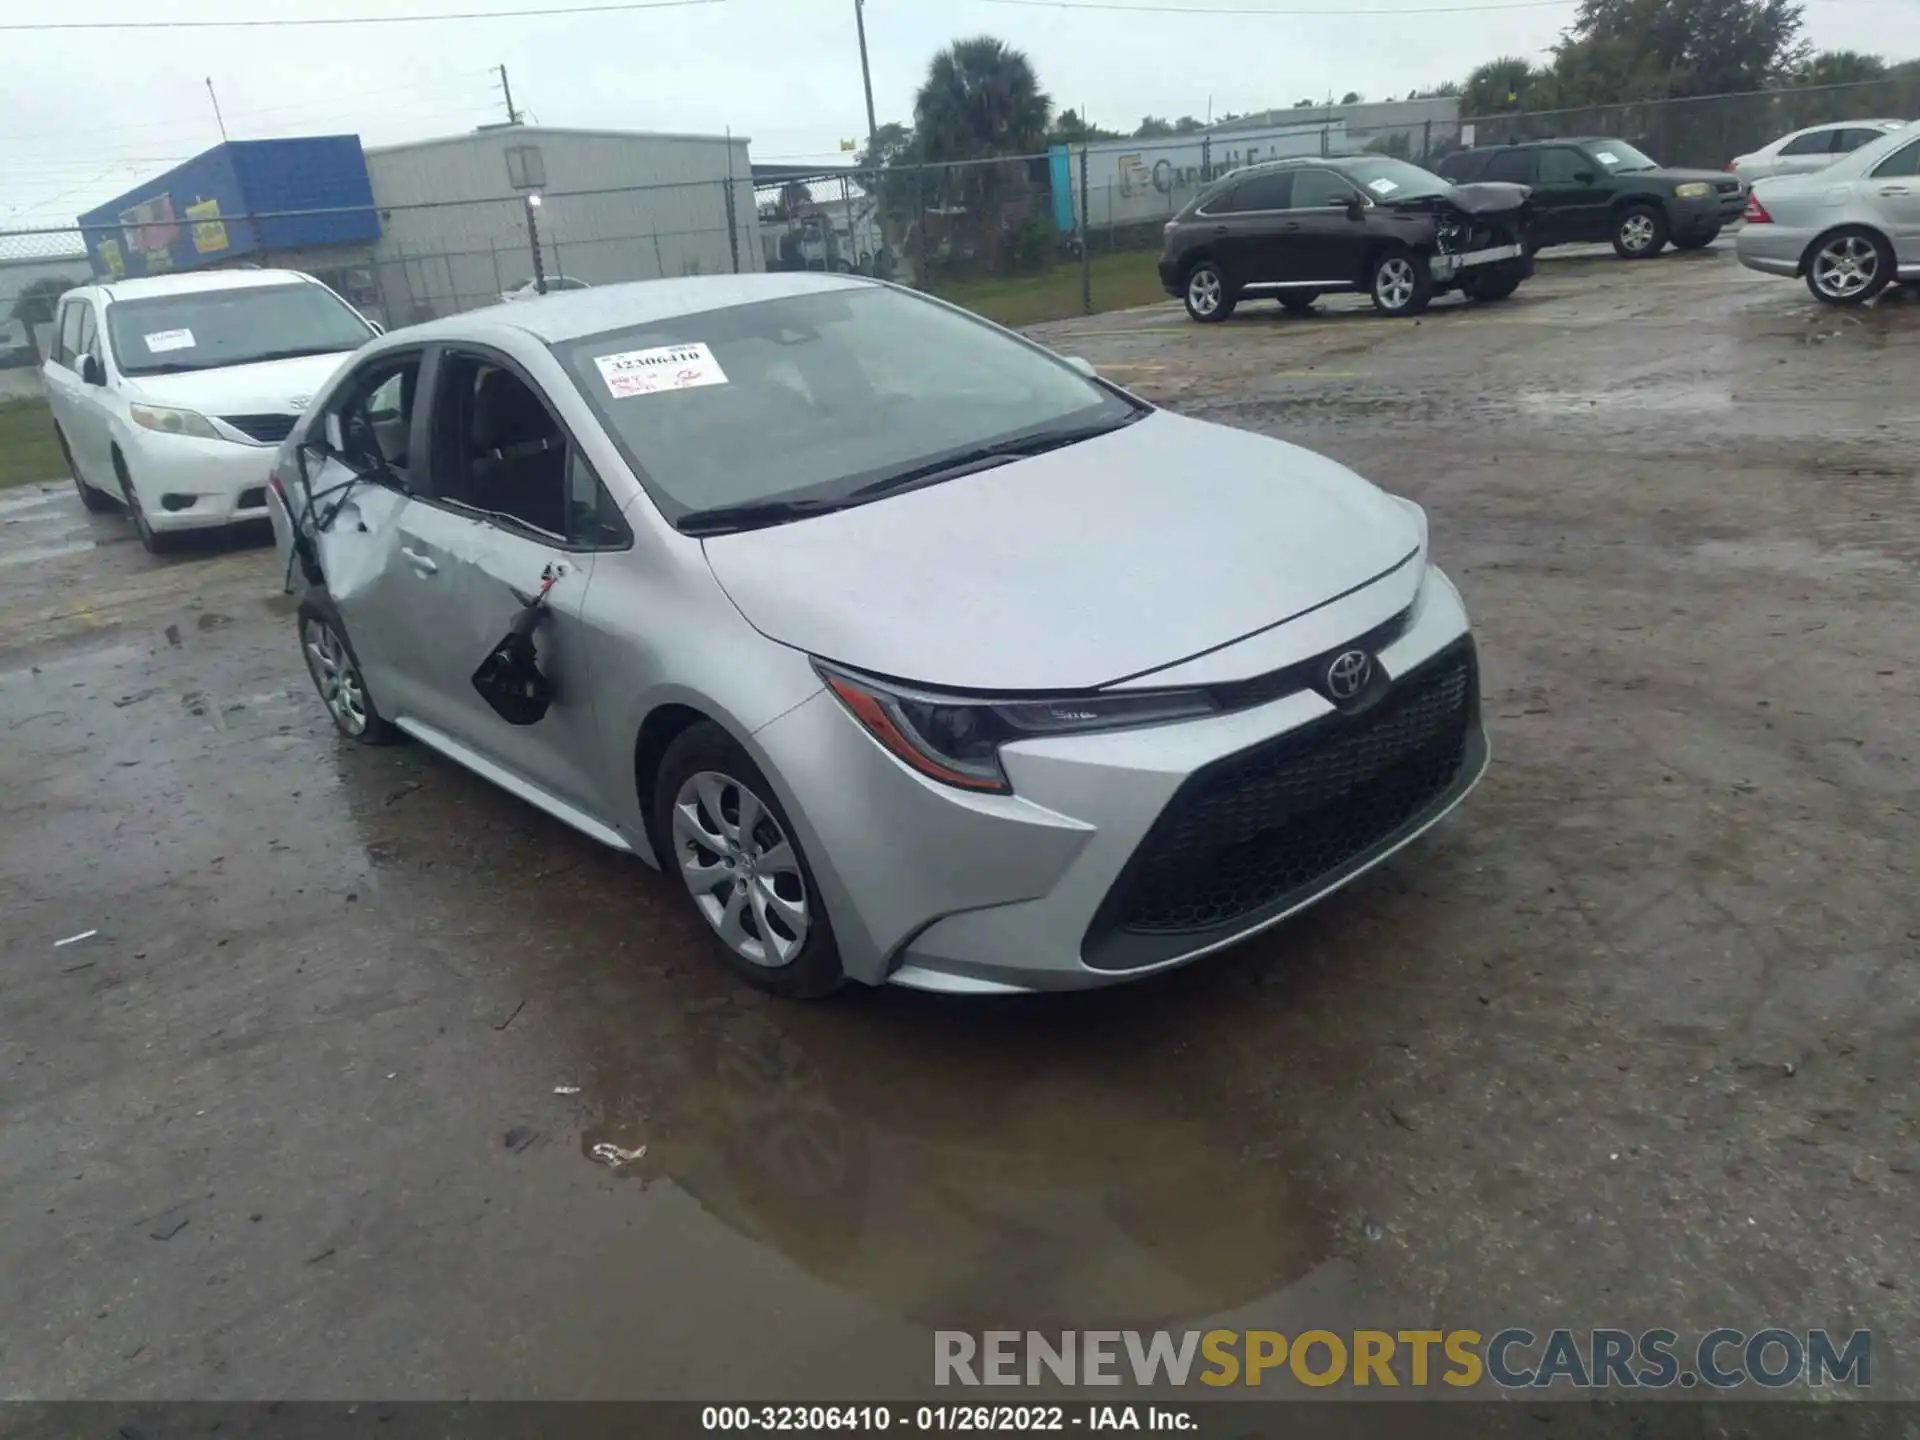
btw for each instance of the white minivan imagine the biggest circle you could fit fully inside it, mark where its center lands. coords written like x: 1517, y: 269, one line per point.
x: 171, y: 394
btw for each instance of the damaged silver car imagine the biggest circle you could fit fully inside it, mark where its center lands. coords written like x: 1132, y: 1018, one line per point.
x: 912, y: 652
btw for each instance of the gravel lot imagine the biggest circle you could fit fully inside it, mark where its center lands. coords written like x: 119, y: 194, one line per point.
x: 1629, y: 1041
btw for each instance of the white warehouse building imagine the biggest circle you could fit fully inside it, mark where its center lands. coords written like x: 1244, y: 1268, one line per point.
x: 613, y: 205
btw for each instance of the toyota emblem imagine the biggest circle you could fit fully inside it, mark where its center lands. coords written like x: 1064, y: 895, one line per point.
x: 1349, y: 673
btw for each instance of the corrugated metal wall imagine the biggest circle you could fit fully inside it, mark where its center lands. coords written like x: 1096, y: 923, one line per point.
x: 614, y: 207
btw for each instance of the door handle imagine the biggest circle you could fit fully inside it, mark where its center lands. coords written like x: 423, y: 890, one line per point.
x: 423, y: 563
x: 1291, y: 225
x: 1895, y: 190
x: 1219, y: 229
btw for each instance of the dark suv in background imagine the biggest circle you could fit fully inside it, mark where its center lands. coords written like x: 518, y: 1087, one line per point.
x: 1593, y: 190
x: 1294, y: 230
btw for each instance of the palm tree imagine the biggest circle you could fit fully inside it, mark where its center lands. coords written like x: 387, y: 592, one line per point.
x: 981, y: 98
x: 1499, y: 85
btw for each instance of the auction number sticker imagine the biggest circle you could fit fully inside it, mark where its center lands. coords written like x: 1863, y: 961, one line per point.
x: 665, y: 367
x: 161, y: 341
x: 1383, y: 186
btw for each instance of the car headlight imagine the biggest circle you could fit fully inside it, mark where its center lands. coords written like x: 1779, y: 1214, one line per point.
x: 174, y: 422
x: 956, y: 739
x: 1693, y: 190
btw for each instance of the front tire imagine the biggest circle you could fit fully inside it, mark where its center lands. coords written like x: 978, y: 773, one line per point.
x: 1401, y: 283
x: 1496, y: 282
x: 720, y: 829
x: 1849, y: 267
x: 95, y: 502
x: 336, y: 674
x: 1210, y: 299
x: 1639, y: 232
x: 152, y: 542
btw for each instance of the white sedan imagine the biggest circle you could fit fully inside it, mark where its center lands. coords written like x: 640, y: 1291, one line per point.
x: 1814, y: 148
x: 1851, y: 229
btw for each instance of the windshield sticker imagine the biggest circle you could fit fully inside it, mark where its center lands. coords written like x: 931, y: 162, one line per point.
x: 1382, y: 186
x: 1606, y: 157
x: 665, y: 367
x: 161, y: 341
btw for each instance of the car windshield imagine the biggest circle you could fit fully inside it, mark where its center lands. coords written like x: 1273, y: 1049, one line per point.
x: 795, y: 404
x: 1620, y: 157
x: 211, y: 329
x: 1389, y: 179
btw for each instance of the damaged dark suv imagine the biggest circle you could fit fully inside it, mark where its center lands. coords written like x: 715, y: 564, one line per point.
x: 1295, y: 230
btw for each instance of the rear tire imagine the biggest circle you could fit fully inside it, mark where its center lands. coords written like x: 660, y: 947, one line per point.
x: 1849, y: 267
x: 152, y: 543
x: 1401, y: 283
x: 1209, y: 298
x: 724, y: 838
x: 1639, y: 232
x: 1298, y: 302
x: 95, y: 502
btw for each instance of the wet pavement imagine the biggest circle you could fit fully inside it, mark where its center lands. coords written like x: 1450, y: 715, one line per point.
x: 1629, y: 1041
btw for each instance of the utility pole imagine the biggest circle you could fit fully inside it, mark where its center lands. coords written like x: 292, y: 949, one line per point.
x: 217, y: 119
x: 533, y: 238
x: 506, y: 89
x: 866, y: 80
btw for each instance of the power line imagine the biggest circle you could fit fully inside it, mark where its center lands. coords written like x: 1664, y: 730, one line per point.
x: 626, y: 5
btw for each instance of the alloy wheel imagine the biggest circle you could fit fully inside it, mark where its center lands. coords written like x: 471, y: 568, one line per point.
x: 1846, y: 265
x: 1394, y: 284
x: 1636, y: 232
x: 337, y: 677
x: 741, y: 869
x: 1203, y: 290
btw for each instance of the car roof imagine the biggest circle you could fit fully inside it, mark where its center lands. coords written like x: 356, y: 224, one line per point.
x: 198, y: 281
x: 571, y: 314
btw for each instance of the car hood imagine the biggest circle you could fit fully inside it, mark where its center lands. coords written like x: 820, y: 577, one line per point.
x: 1485, y: 197
x: 1074, y: 569
x: 277, y: 387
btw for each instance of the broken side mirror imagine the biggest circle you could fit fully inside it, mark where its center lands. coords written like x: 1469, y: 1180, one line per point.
x: 91, y: 371
x: 1356, y: 208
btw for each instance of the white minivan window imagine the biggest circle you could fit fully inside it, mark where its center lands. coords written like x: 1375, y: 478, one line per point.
x: 212, y: 329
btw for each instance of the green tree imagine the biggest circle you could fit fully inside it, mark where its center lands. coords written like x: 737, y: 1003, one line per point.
x: 1070, y: 129
x: 1188, y: 125
x: 35, y: 303
x: 1841, y: 67
x: 980, y: 98
x: 1352, y: 97
x: 1152, y: 127
x: 1620, y: 50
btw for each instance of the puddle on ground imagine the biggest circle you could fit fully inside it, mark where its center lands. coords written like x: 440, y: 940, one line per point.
x: 1665, y: 399
x: 39, y: 553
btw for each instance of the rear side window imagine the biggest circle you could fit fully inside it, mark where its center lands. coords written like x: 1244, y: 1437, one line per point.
x: 1510, y: 165
x: 1847, y: 141
x: 1901, y: 162
x: 1263, y: 192
x: 1820, y: 142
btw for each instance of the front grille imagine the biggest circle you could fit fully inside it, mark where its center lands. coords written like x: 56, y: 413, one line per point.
x: 1258, y: 828
x: 269, y: 429
x: 254, y: 499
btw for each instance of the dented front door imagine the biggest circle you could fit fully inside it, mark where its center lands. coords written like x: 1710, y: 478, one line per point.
x: 471, y: 576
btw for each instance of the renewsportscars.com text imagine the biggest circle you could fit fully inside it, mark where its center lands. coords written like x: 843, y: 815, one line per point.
x: 1512, y: 1358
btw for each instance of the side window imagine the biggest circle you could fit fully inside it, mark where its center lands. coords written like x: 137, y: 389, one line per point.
x: 376, y: 417
x: 1845, y: 142
x: 66, y: 344
x: 497, y: 448
x: 1559, y: 165
x: 1464, y: 165
x: 1226, y: 202
x: 1319, y: 189
x: 593, y: 520
x: 1820, y: 142
x: 1263, y: 192
x: 1901, y: 162
x: 88, y: 342
x: 1511, y: 165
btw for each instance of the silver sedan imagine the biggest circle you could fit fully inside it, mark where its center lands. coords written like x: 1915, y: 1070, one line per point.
x: 1850, y: 230
x: 913, y: 652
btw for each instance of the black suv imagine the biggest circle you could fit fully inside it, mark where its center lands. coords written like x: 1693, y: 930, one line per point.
x: 1297, y: 229
x: 1592, y: 190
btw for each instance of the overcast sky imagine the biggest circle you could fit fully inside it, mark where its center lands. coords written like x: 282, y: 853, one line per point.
x: 84, y: 116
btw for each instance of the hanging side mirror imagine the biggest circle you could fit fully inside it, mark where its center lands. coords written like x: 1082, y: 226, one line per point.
x: 92, y: 372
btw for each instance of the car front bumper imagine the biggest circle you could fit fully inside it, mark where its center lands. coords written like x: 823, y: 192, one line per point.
x: 1128, y: 852
x: 1774, y: 249
x: 224, y: 483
